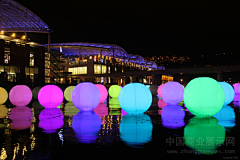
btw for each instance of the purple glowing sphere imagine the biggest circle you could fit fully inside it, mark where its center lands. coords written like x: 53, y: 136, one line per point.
x: 50, y: 96
x: 103, y: 92
x: 172, y: 93
x: 20, y: 95
x: 86, y: 96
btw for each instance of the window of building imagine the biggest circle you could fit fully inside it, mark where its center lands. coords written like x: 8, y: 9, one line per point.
x: 7, y: 55
x: 11, y: 77
x: 78, y: 70
x: 115, y: 69
x: 31, y: 62
x: 97, y: 69
x: 104, y: 69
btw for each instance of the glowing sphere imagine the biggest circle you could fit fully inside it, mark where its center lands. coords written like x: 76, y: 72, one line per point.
x: 21, y: 117
x: 154, y: 89
x: 204, y: 96
x: 136, y: 130
x: 50, y: 96
x: 86, y: 96
x: 173, y: 116
x: 236, y: 86
x: 135, y: 98
x: 103, y: 92
x: 114, y: 91
x: 3, y: 111
x: 51, y: 119
x: 20, y: 95
x: 70, y: 109
x: 68, y: 93
x: 159, y: 90
x: 226, y: 117
x: 35, y: 92
x: 172, y: 93
x: 86, y: 125
x: 201, y: 131
x: 3, y: 95
x: 228, y: 92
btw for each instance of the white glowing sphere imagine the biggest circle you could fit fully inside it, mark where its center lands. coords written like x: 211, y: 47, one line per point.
x: 228, y: 91
x: 68, y: 93
x: 172, y: 93
x: 20, y: 95
x: 86, y: 96
x: 135, y: 98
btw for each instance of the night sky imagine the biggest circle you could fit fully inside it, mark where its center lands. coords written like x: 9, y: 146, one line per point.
x: 153, y: 27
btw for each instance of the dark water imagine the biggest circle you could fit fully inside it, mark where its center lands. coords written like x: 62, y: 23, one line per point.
x: 163, y: 132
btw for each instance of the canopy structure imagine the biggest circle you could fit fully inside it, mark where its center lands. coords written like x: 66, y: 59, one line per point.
x: 87, y: 49
x: 14, y: 17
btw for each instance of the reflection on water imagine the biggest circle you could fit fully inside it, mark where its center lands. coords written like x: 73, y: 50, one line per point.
x: 173, y: 116
x: 204, y: 135
x: 135, y: 130
x: 50, y: 119
x: 86, y: 125
x: 27, y: 130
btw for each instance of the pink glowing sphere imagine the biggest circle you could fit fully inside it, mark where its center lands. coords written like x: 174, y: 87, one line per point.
x: 20, y: 95
x: 172, y: 93
x: 159, y: 90
x: 86, y: 96
x: 50, y: 96
x: 236, y: 87
x: 103, y: 92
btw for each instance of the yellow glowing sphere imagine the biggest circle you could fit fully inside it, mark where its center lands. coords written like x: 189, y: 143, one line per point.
x: 68, y: 93
x: 3, y: 95
x: 114, y: 91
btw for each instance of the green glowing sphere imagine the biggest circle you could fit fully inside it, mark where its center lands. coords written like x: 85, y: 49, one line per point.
x: 204, y: 135
x: 114, y: 91
x: 203, y: 97
x: 68, y: 93
x: 3, y: 95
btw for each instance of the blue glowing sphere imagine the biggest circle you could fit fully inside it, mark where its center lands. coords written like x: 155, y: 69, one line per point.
x: 86, y: 96
x: 136, y: 130
x: 228, y: 92
x: 135, y: 98
x: 172, y: 93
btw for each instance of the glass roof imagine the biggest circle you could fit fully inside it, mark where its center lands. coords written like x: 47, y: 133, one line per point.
x: 14, y: 17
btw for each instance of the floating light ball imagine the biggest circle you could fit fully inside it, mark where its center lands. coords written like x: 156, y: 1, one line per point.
x: 21, y: 117
x: 204, y: 96
x: 103, y: 92
x: 228, y: 92
x: 50, y: 96
x: 51, y: 119
x: 226, y: 117
x: 114, y: 91
x: 70, y: 109
x: 86, y: 96
x: 173, y: 116
x: 159, y: 90
x: 236, y: 86
x: 135, y: 98
x: 201, y: 131
x: 154, y: 89
x: 172, y: 93
x: 20, y: 95
x: 86, y: 125
x: 35, y: 92
x: 136, y: 130
x: 68, y: 93
x: 3, y: 95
